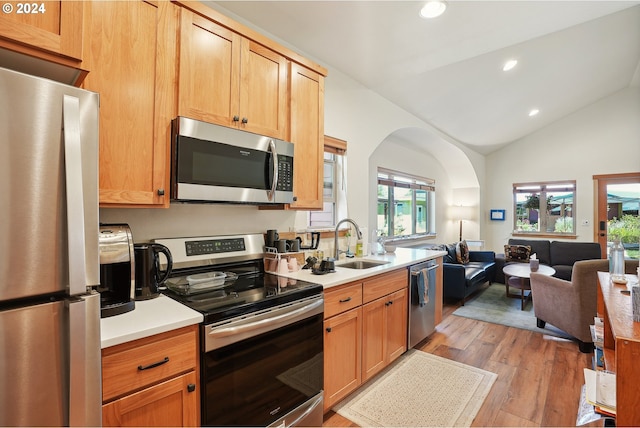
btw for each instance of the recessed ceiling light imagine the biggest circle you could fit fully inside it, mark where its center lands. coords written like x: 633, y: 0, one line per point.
x: 433, y: 9
x: 509, y: 64
x: 534, y: 112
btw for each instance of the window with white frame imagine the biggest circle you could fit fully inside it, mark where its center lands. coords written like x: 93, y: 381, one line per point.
x: 326, y: 217
x: 334, y: 185
x: 545, y: 208
x: 406, y: 204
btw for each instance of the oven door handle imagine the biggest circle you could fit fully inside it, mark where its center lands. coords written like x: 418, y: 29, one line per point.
x: 266, y: 324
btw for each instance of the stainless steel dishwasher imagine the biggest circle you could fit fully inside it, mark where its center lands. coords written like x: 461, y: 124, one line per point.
x: 422, y: 301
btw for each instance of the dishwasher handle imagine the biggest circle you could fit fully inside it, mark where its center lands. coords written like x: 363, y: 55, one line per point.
x: 430, y: 268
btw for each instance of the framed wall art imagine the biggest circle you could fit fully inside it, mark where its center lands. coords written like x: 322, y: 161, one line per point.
x: 497, y: 215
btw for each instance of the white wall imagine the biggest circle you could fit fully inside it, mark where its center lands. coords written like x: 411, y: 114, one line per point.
x: 603, y: 138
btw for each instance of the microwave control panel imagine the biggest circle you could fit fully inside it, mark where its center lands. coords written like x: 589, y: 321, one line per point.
x: 285, y: 173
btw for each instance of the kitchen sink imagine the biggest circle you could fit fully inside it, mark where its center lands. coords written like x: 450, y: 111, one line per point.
x: 362, y: 264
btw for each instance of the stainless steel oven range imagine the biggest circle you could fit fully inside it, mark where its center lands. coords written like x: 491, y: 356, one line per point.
x: 261, y: 340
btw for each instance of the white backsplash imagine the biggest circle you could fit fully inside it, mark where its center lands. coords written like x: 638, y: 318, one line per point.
x: 184, y: 220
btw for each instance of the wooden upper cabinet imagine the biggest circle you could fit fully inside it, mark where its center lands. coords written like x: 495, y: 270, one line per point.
x: 43, y: 28
x: 209, y: 70
x: 131, y: 51
x: 307, y: 135
x: 230, y: 80
x: 263, y: 90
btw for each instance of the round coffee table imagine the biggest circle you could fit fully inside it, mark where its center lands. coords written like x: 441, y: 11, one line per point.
x: 517, y: 276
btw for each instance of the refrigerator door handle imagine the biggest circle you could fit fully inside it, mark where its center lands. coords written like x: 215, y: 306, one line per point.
x: 85, y: 370
x: 75, y: 195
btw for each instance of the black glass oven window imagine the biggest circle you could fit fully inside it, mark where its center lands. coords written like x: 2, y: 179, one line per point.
x: 218, y: 164
x: 257, y: 381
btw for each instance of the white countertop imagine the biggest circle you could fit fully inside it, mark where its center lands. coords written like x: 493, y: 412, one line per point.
x: 402, y: 257
x: 148, y: 318
x: 164, y: 314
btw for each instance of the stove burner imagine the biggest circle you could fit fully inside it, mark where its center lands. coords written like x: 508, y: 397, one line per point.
x: 247, y: 287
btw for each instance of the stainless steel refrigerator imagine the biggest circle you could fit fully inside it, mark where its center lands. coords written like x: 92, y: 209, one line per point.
x: 50, y: 373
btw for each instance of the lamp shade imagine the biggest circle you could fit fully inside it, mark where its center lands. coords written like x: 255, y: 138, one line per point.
x: 462, y: 212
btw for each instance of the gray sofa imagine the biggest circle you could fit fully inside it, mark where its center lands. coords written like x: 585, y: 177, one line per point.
x: 560, y: 255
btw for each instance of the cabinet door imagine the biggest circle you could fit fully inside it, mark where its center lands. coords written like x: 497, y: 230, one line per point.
x: 384, y: 332
x: 51, y: 26
x: 171, y: 403
x: 209, y: 81
x: 374, y: 343
x: 342, y: 355
x: 230, y: 80
x: 131, y: 52
x: 307, y: 134
x: 396, y: 324
x: 263, y: 91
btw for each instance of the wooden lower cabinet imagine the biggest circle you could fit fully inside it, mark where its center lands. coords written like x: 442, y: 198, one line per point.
x: 342, y: 355
x: 384, y: 332
x: 152, y: 381
x: 169, y: 403
x: 362, y: 339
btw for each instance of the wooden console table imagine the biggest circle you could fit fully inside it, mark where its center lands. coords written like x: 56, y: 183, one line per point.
x: 621, y: 348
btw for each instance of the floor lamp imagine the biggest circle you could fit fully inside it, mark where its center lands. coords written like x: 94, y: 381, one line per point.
x: 462, y: 213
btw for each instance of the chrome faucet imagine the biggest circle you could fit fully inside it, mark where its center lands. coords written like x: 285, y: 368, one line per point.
x: 335, y: 242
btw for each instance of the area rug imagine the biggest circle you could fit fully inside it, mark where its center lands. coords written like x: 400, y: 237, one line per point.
x: 420, y: 390
x: 492, y: 305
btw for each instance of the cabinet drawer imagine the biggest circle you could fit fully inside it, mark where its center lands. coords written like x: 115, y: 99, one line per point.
x: 134, y: 365
x: 384, y: 284
x: 342, y: 299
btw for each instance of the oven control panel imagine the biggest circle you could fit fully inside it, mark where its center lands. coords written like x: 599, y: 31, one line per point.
x: 214, y: 246
x: 201, y: 251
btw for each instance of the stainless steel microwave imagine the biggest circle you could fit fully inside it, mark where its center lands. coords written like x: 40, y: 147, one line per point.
x: 212, y: 163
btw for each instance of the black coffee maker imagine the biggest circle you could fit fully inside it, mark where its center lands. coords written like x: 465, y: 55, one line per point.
x: 117, y: 269
x: 149, y: 277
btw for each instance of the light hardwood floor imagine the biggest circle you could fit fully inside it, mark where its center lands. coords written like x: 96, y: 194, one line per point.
x: 539, y: 377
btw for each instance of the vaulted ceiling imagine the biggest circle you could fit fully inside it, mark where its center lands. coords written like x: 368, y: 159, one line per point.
x: 448, y: 70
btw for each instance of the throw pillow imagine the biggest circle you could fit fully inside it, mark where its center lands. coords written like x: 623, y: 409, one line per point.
x: 517, y: 253
x: 451, y: 253
x: 462, y: 252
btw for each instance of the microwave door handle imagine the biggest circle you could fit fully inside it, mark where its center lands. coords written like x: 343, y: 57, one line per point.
x: 274, y: 183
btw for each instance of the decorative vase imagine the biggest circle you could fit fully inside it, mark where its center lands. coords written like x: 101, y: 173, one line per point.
x: 616, y: 261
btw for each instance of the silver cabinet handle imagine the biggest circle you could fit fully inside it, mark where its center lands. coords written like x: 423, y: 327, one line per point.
x: 75, y: 195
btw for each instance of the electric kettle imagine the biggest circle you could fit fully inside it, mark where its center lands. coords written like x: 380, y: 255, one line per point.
x: 149, y: 277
